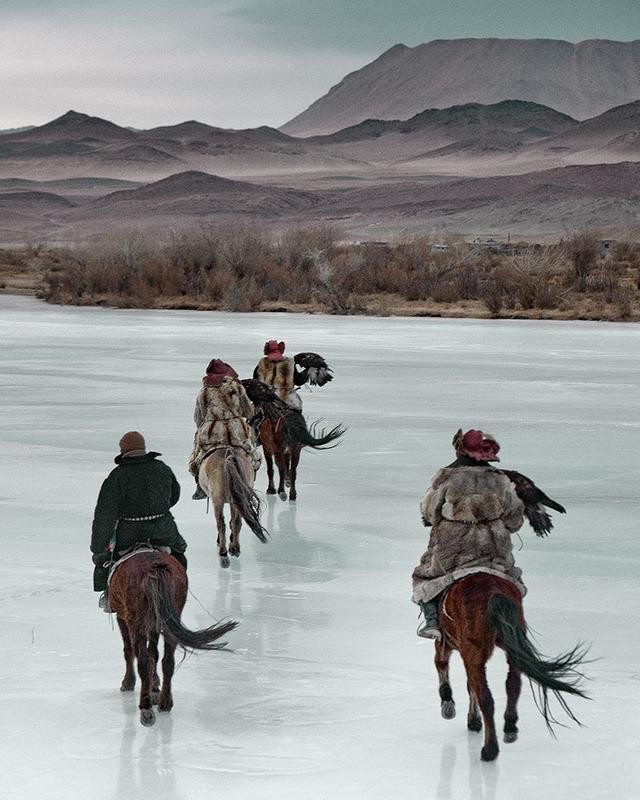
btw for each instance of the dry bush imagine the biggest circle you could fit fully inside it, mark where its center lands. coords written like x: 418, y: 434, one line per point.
x: 492, y: 295
x: 532, y: 278
x: 582, y: 249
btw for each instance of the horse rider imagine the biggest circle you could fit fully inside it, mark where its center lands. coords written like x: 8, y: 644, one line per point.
x: 472, y: 509
x: 281, y: 374
x: 221, y: 414
x: 132, y: 509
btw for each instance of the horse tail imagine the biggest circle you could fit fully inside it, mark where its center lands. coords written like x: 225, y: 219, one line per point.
x: 167, y: 617
x: 558, y: 675
x: 243, y: 496
x: 297, y: 431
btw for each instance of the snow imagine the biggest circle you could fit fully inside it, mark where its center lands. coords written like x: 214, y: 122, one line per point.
x: 328, y: 693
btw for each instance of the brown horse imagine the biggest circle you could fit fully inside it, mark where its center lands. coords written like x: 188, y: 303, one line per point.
x: 477, y: 613
x: 226, y: 476
x: 283, y: 433
x: 148, y: 592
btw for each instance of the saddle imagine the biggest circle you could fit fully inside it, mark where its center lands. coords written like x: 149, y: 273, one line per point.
x: 130, y: 552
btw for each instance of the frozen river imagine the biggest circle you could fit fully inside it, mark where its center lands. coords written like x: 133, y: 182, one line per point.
x: 328, y: 693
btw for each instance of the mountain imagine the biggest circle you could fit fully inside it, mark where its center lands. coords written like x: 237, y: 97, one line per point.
x: 471, y: 128
x: 193, y: 195
x: 617, y: 130
x: 581, y: 80
x: 73, y: 126
x: 548, y: 201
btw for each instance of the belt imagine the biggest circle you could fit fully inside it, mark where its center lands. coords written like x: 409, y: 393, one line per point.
x: 144, y: 519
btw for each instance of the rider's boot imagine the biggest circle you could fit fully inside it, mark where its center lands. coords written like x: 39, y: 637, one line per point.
x: 103, y: 602
x: 199, y: 493
x: 429, y: 628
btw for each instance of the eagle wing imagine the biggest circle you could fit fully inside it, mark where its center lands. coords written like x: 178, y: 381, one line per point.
x: 258, y: 392
x: 318, y: 372
x: 534, y: 500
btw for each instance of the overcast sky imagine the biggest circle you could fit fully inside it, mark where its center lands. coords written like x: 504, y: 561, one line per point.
x: 241, y: 63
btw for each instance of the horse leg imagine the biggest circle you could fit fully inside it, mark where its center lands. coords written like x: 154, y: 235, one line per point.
x: 145, y: 669
x: 154, y: 657
x: 271, y: 489
x: 287, y: 469
x: 447, y: 705
x: 474, y: 720
x: 514, y: 685
x: 168, y: 663
x: 235, y: 525
x: 474, y: 662
x: 282, y: 472
x: 293, y: 474
x: 129, y: 680
x: 222, y: 535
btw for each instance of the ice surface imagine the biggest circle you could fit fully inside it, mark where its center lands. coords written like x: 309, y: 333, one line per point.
x: 328, y: 693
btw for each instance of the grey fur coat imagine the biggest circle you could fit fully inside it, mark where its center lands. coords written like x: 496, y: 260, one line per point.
x: 473, y: 511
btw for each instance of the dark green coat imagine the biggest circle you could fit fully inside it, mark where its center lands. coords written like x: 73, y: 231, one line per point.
x: 139, y: 486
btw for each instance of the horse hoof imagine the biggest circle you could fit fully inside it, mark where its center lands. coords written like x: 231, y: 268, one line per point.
x: 224, y: 561
x: 271, y: 491
x: 127, y: 687
x: 489, y: 752
x: 292, y: 497
x: 235, y: 552
x: 155, y: 698
x: 165, y: 705
x: 474, y: 724
x: 147, y: 717
x: 448, y: 709
x: 282, y: 495
x: 510, y: 737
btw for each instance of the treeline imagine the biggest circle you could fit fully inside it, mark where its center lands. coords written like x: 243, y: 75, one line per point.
x: 245, y: 268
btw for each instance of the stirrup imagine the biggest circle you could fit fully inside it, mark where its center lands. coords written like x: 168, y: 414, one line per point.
x: 103, y: 602
x: 429, y: 632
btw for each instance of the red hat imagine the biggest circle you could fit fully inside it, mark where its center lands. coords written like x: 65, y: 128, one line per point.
x: 217, y: 370
x: 274, y: 350
x: 477, y: 445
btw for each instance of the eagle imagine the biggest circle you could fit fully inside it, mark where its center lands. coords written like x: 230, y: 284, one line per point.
x: 258, y: 392
x: 534, y: 500
x: 318, y: 372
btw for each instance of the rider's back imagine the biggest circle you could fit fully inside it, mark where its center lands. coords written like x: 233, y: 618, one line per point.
x: 473, y: 511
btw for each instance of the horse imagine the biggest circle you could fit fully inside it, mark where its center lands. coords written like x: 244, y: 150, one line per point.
x: 477, y: 613
x: 283, y: 433
x: 147, y: 593
x: 226, y: 476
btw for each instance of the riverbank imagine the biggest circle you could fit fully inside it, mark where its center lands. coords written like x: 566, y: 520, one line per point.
x: 242, y: 271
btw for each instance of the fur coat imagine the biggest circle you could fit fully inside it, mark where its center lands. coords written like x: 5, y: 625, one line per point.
x: 281, y: 376
x: 473, y: 511
x: 221, y: 415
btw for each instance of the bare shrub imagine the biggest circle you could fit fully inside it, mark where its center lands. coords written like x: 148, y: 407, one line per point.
x: 582, y: 249
x: 532, y: 278
x: 242, y: 295
x: 493, y: 293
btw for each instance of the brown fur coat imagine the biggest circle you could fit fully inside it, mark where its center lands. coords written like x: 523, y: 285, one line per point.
x: 473, y: 511
x: 280, y: 376
x: 220, y: 415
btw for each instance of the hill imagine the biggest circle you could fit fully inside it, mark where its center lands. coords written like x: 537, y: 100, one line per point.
x: 581, y: 80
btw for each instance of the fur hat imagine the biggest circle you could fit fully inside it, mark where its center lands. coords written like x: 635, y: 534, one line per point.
x: 477, y: 445
x: 274, y: 350
x: 132, y: 441
x: 217, y: 370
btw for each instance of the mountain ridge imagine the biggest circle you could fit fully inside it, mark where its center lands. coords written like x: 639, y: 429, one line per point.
x: 581, y: 79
